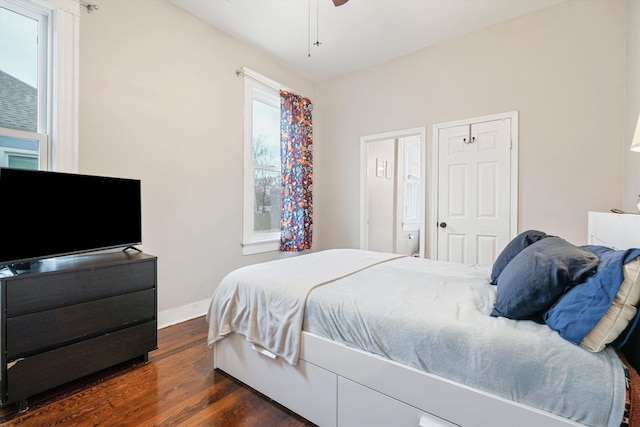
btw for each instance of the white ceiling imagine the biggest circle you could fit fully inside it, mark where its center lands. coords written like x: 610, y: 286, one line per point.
x: 356, y: 35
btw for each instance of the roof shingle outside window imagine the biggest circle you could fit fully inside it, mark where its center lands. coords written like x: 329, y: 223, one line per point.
x: 18, y: 104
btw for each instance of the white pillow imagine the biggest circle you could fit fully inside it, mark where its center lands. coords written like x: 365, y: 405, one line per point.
x: 620, y: 313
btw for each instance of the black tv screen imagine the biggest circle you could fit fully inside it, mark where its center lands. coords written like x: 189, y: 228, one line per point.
x: 47, y: 214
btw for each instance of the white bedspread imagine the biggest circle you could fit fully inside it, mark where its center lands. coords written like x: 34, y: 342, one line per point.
x: 265, y: 302
x: 434, y: 316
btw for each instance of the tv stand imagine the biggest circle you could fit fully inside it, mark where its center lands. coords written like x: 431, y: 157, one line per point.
x: 133, y: 248
x: 73, y: 316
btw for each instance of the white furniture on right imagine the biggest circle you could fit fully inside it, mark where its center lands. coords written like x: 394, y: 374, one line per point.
x: 619, y: 231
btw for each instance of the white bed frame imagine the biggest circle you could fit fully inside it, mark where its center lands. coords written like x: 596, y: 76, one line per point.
x: 334, y: 385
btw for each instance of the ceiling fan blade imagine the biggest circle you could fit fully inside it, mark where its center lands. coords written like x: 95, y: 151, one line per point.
x: 339, y: 2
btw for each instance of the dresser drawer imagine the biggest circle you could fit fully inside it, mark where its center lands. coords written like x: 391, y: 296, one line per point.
x: 44, y: 330
x: 28, y: 294
x: 41, y: 372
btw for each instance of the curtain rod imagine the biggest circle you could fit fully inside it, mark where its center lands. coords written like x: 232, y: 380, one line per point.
x: 89, y: 6
x: 239, y: 73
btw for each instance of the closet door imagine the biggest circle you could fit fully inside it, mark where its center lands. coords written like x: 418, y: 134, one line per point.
x: 474, y: 191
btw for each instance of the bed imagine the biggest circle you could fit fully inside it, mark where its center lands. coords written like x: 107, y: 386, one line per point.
x: 351, y: 338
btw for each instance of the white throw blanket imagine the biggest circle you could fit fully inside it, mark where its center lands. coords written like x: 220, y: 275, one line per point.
x: 265, y: 302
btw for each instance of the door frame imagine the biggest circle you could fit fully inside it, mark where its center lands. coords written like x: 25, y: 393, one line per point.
x: 434, y: 187
x: 363, y: 179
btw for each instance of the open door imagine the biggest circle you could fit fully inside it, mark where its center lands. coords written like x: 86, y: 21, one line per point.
x: 392, y: 188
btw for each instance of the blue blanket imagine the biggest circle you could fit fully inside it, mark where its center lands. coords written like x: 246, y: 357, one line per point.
x: 580, y: 310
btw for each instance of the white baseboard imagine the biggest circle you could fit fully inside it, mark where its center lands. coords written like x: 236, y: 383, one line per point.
x: 183, y: 313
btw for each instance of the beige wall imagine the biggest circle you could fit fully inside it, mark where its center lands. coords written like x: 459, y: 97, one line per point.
x: 562, y: 68
x: 160, y: 101
x: 632, y: 107
x: 381, y: 194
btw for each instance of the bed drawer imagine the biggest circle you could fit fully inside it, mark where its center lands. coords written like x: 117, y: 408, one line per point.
x: 316, y: 388
x: 362, y: 406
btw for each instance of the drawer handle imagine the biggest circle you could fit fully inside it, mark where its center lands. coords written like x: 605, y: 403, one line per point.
x: 263, y: 351
x: 15, y: 362
x: 426, y: 421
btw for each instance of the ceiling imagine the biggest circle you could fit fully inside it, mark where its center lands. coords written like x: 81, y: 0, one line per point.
x: 356, y: 35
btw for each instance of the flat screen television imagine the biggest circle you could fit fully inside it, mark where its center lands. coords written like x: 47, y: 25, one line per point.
x: 48, y: 214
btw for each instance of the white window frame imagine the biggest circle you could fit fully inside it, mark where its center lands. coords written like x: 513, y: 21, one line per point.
x: 253, y: 243
x: 411, y: 217
x: 58, y: 122
x: 33, y: 136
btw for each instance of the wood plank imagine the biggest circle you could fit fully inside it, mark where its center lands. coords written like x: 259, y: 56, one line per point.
x: 178, y: 387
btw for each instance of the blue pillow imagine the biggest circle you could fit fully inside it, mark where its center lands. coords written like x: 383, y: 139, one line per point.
x: 539, y: 275
x: 580, y: 310
x: 514, y: 247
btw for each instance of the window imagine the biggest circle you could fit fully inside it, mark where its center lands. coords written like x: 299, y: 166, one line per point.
x: 24, y: 74
x: 265, y: 150
x: 262, y: 171
x: 411, y: 218
x: 278, y: 168
x: 38, y: 84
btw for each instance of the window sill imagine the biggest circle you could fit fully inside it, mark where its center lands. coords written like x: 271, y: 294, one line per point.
x: 411, y: 226
x: 260, y: 246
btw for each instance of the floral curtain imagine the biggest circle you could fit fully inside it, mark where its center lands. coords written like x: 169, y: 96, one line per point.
x: 296, y: 145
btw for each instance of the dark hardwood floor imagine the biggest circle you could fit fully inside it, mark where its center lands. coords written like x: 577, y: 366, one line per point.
x: 178, y: 387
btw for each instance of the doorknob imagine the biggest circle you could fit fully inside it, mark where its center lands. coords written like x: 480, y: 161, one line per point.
x: 443, y: 225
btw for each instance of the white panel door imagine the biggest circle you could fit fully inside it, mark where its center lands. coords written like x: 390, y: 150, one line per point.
x: 474, y: 185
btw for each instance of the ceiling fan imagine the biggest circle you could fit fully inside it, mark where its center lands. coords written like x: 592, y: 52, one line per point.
x: 336, y: 3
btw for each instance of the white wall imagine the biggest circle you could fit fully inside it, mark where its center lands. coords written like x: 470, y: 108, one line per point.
x: 160, y: 101
x: 632, y: 107
x: 562, y: 68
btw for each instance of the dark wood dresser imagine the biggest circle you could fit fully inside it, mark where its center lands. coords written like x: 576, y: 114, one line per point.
x: 72, y: 316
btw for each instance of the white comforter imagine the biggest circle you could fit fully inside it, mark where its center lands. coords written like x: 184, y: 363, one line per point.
x: 427, y: 314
